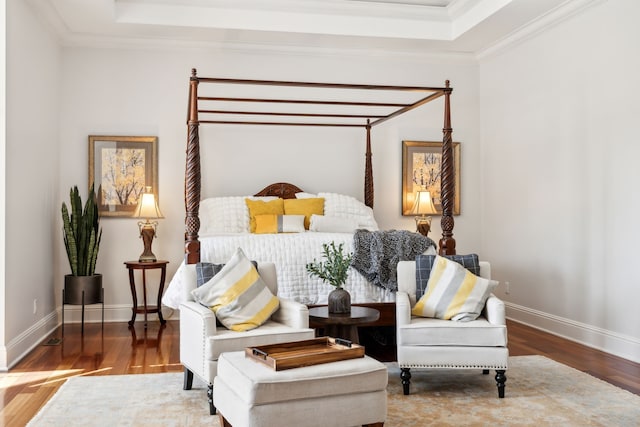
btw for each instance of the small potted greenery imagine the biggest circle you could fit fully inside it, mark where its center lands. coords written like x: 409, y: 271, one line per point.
x: 82, y: 235
x: 334, y: 271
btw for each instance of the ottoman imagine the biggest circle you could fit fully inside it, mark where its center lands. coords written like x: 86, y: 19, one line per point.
x: 346, y: 393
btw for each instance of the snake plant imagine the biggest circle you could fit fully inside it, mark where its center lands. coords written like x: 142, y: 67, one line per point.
x: 82, y: 233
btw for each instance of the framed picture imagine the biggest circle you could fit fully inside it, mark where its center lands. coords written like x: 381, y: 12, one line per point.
x: 422, y: 169
x: 121, y: 167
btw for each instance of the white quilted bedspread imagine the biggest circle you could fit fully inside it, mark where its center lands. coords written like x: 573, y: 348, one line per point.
x: 290, y: 253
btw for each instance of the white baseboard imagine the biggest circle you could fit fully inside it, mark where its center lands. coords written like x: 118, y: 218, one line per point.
x: 112, y: 313
x: 20, y: 346
x: 601, y: 339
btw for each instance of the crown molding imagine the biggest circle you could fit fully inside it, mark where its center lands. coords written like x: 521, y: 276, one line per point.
x: 171, y: 44
x: 543, y: 23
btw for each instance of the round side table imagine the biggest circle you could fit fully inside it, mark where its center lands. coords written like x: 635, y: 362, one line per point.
x: 144, y: 266
x: 343, y: 325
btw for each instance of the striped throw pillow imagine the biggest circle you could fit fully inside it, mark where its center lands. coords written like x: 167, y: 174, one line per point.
x: 268, y: 224
x: 453, y: 293
x: 237, y: 295
x: 424, y: 263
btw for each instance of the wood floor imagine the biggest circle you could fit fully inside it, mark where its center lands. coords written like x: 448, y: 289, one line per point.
x: 120, y: 350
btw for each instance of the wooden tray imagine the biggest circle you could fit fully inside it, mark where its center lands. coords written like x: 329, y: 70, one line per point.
x: 304, y: 353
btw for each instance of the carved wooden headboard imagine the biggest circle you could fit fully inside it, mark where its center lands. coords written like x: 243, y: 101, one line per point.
x: 284, y: 190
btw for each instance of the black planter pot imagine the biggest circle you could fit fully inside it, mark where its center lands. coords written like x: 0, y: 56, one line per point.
x: 82, y: 289
x: 339, y: 301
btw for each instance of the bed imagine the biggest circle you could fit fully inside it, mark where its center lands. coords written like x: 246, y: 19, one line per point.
x: 374, y: 112
x: 225, y: 226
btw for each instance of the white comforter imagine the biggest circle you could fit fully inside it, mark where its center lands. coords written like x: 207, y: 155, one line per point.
x: 290, y: 253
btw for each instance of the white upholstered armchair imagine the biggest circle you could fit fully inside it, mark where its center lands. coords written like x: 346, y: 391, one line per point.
x: 424, y: 342
x: 202, y: 341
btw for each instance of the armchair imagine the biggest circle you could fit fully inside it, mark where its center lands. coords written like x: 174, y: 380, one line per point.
x: 424, y: 342
x: 202, y: 340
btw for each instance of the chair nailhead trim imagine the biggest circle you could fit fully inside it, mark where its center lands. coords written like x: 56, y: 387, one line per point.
x: 405, y: 365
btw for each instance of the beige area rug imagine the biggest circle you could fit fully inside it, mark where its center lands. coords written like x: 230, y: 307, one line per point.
x: 539, y: 392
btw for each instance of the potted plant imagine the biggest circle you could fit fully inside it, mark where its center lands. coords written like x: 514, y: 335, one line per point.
x: 334, y: 271
x: 82, y: 235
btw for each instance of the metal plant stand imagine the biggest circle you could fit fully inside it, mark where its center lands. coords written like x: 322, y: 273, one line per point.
x: 85, y: 290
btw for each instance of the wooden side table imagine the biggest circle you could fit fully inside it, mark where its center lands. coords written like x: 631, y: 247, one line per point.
x: 144, y: 266
x: 343, y: 325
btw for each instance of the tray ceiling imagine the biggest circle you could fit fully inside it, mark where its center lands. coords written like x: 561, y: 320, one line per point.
x: 454, y: 26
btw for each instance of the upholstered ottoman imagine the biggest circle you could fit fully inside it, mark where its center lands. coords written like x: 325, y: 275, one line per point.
x: 344, y: 393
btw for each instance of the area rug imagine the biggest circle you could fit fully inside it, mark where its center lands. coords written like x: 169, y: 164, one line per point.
x: 539, y: 392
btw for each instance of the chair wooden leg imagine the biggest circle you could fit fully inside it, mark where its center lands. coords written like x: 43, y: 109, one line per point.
x: 223, y: 421
x: 501, y: 378
x: 405, y: 376
x: 188, y: 379
x: 212, y: 408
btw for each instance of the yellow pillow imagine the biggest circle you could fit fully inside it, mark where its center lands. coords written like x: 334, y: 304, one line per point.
x: 306, y: 207
x: 266, y: 224
x: 259, y: 207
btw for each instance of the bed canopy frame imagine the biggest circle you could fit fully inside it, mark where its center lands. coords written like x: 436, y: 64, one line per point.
x: 367, y: 117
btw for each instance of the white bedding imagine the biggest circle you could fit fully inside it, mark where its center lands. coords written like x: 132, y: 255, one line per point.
x: 290, y: 253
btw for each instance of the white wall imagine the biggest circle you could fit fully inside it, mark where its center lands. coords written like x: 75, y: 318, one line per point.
x: 559, y: 176
x: 31, y: 164
x: 144, y: 92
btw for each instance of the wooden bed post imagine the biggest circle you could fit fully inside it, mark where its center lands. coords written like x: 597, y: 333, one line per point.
x: 447, y: 242
x: 368, y: 171
x: 192, y: 182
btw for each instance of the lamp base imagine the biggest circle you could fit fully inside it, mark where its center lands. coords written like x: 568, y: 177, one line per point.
x: 423, y: 225
x: 147, y: 258
x: 147, y: 233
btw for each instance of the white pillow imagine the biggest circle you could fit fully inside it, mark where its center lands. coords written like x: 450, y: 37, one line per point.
x: 303, y: 195
x: 341, y: 205
x: 332, y: 224
x: 238, y: 295
x: 224, y: 215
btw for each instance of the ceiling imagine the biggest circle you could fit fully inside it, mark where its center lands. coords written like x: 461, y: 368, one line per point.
x: 418, y: 26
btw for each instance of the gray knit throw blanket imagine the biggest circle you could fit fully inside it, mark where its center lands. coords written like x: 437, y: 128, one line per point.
x: 376, y: 254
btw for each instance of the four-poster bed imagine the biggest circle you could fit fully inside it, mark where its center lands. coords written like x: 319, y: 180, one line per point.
x: 268, y: 111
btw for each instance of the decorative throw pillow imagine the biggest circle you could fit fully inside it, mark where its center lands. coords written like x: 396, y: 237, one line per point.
x: 303, y: 195
x: 332, y: 224
x: 279, y: 224
x: 259, y: 207
x: 205, y: 272
x: 453, y: 293
x: 424, y: 263
x: 237, y: 295
x: 306, y: 207
x: 349, y: 207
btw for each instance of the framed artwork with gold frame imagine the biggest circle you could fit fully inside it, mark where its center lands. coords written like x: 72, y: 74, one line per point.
x: 422, y: 170
x: 121, y: 167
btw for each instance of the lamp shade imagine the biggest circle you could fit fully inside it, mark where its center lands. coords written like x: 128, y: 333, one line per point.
x: 148, y: 206
x: 424, y: 204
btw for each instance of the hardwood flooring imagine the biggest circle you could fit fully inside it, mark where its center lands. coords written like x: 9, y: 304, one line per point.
x: 120, y: 350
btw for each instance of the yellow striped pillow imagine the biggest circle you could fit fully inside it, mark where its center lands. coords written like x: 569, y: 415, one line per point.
x: 453, y: 292
x: 237, y: 295
x: 279, y: 224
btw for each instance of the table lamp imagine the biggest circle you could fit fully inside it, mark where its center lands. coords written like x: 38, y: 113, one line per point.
x: 423, y: 208
x: 147, y: 209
